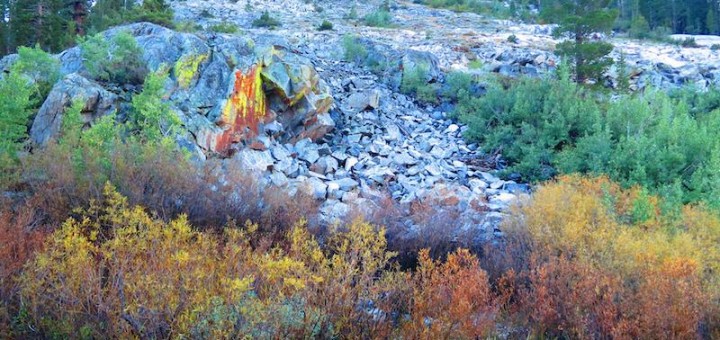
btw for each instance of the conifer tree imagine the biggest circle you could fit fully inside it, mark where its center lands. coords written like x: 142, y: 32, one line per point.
x: 583, y: 22
x: 37, y: 22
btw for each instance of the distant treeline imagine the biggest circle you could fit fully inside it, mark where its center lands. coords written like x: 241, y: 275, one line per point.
x: 55, y: 24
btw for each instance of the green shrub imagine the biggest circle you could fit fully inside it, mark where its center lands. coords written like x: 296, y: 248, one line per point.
x: 325, y: 26
x: 668, y: 143
x: 654, y: 141
x: 188, y: 26
x: 639, y: 28
x: 378, y: 18
x: 265, y: 20
x: 353, y: 14
x: 42, y: 69
x: 457, y: 5
x: 354, y: 50
x: 415, y: 83
x: 151, y: 118
x: 118, y: 61
x: 457, y: 85
x: 530, y: 122
x: 15, y: 104
x: 155, y: 11
x: 224, y: 27
x: 688, y: 42
x: 109, y: 13
x: 513, y: 39
x: 475, y: 64
x: 492, y: 8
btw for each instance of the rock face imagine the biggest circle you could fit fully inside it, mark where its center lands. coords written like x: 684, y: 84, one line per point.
x: 232, y: 91
x: 48, y: 121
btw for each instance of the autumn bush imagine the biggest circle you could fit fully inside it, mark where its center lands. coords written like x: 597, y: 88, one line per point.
x: 21, y: 236
x: 117, y: 271
x: 583, y: 258
x: 451, y: 299
x: 606, y: 260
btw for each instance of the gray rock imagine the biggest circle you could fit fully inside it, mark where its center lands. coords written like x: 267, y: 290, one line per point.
x: 393, y: 133
x: 327, y: 164
x: 314, y: 187
x: 378, y: 174
x: 278, y: 179
x: 254, y: 160
x: 503, y: 199
x: 310, y: 155
x: 289, y: 166
x: 497, y: 184
x: 344, y: 184
x: 488, y: 177
x: 516, y: 188
x: 333, y: 211
x: 339, y: 155
x: 433, y: 170
x: 280, y: 153
x: 350, y: 162
x: 361, y: 101
x: 98, y: 102
x: 334, y: 191
x: 404, y: 159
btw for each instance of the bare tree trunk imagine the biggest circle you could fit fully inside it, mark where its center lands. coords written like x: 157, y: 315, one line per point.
x: 79, y: 13
x: 579, y: 74
x: 674, y: 16
x: 39, y: 21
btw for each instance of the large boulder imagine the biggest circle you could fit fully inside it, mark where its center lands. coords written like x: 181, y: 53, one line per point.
x: 395, y: 64
x: 280, y: 89
x: 97, y: 102
x: 228, y: 90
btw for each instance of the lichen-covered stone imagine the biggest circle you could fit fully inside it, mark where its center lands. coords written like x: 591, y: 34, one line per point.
x: 186, y: 69
x: 226, y: 88
x: 244, y: 110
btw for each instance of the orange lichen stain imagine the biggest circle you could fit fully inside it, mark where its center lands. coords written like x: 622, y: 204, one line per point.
x: 245, y: 109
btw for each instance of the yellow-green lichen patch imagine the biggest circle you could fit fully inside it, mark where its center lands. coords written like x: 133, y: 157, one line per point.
x: 186, y: 68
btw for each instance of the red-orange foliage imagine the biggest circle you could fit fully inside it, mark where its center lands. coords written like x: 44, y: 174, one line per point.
x: 606, y: 262
x: 451, y: 299
x: 670, y: 303
x: 20, y: 237
x: 569, y: 299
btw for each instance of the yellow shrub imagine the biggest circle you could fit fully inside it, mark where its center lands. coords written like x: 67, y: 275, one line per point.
x: 595, y: 221
x: 119, y: 272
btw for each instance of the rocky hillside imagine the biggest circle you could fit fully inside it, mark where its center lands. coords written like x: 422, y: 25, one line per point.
x: 285, y: 105
x: 457, y: 39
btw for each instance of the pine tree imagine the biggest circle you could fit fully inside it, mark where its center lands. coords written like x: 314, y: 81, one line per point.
x: 583, y: 22
x: 38, y: 22
x: 710, y: 21
x: 76, y: 12
x: 107, y: 13
x: 5, y: 38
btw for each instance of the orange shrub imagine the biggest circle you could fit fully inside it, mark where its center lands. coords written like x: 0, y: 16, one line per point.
x: 568, y: 299
x: 20, y: 238
x: 670, y: 303
x: 608, y: 261
x: 451, y: 299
